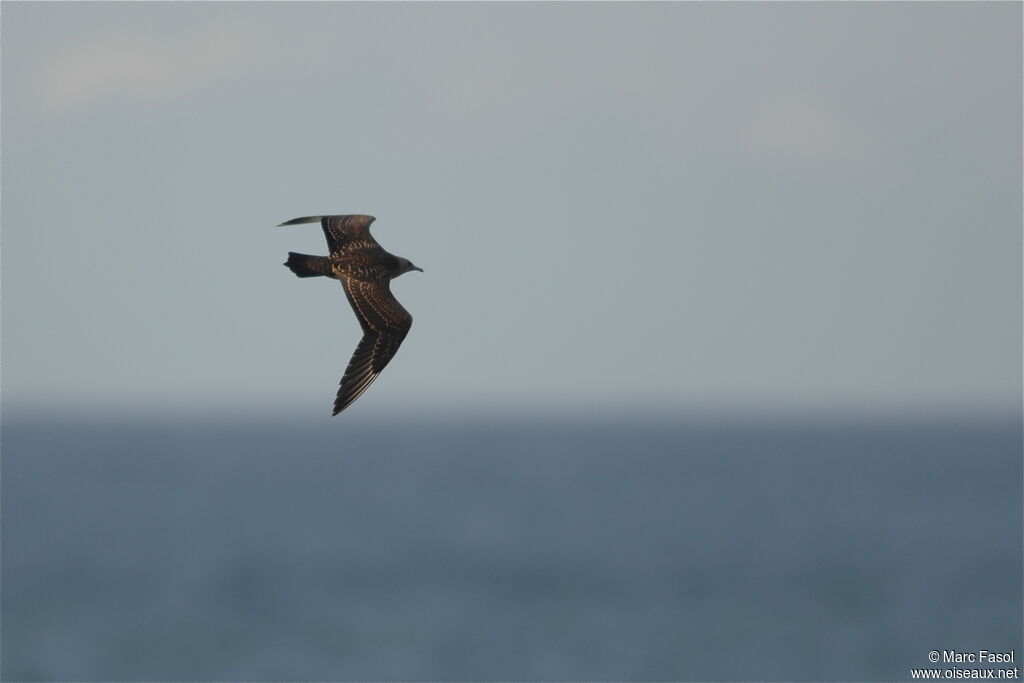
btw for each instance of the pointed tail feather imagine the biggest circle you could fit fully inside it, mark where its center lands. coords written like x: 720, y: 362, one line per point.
x: 305, y: 265
x: 304, y: 219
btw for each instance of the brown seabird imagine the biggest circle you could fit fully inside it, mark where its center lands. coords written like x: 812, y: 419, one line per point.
x: 365, y: 271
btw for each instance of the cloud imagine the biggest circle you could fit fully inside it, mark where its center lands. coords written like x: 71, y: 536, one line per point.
x: 132, y: 69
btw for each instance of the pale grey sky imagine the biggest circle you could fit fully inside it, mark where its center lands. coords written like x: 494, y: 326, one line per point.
x: 645, y: 207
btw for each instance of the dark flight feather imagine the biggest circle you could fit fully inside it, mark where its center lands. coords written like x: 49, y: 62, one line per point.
x: 345, y: 235
x: 385, y: 323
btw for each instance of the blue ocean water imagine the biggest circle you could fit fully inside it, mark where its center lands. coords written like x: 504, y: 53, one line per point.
x: 517, y: 550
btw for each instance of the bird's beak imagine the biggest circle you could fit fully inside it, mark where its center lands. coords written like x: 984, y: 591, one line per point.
x: 417, y: 268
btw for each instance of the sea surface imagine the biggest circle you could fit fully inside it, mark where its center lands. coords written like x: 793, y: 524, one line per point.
x: 514, y: 550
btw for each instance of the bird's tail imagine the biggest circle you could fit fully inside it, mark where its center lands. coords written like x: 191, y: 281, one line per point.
x: 305, y: 265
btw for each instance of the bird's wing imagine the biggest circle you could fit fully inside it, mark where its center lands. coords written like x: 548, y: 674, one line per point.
x: 345, y: 235
x: 385, y: 323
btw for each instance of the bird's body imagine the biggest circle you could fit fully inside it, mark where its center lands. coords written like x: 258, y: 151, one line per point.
x: 365, y: 271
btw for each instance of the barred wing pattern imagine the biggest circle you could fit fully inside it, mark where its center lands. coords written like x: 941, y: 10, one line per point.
x: 385, y: 323
x: 345, y: 234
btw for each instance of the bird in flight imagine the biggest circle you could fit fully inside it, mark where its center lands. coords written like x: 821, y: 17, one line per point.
x: 365, y: 271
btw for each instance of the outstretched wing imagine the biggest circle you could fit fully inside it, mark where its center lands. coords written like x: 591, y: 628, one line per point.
x: 385, y: 323
x: 345, y: 235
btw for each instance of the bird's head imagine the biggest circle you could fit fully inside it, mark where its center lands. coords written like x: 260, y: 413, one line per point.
x: 405, y: 265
